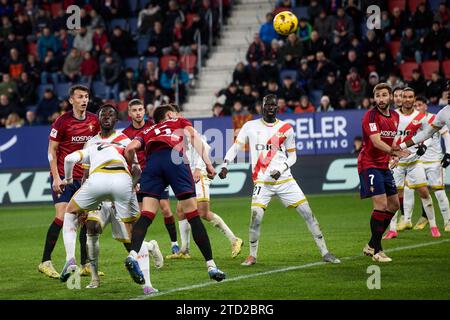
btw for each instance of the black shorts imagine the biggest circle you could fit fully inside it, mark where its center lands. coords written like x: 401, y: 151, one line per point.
x: 375, y: 181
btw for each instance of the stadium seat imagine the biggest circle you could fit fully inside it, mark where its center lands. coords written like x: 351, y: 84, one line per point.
x: 143, y: 3
x: 190, y: 19
x: 42, y: 88
x: 315, y: 96
x: 32, y: 48
x: 406, y: 69
x: 99, y: 89
x: 122, y: 106
x: 164, y: 61
x: 55, y: 8
x: 301, y: 12
x: 428, y: 67
x: 413, y: 4
x: 132, y: 63
x: 133, y: 5
x: 397, y: 3
x: 118, y: 22
x: 394, y: 48
x: 434, y: 5
x: 446, y: 68
x: 142, y: 44
x: 132, y: 26
x: 188, y: 63
x: 62, y: 90
x: 288, y: 73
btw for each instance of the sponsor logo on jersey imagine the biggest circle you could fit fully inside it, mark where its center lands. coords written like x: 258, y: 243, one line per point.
x: 388, y: 133
x: 53, y: 133
x: 81, y: 139
x: 263, y: 147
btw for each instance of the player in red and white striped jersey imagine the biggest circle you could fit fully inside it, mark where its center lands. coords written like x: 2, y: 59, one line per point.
x: 273, y: 152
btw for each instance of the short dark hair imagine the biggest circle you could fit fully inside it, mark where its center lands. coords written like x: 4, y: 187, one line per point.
x: 270, y: 99
x: 409, y: 89
x: 78, y: 87
x: 135, y: 102
x: 397, y: 88
x: 382, y: 86
x: 108, y: 105
x: 422, y: 99
x: 160, y: 113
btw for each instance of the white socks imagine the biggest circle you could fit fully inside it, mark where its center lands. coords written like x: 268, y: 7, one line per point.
x: 185, y: 232
x: 93, y: 247
x: 143, y: 260
x: 408, y: 203
x: 305, y: 211
x: 218, y: 222
x: 210, y: 264
x: 429, y: 210
x: 393, y: 224
x: 255, y: 229
x: 443, y: 204
x: 70, y: 234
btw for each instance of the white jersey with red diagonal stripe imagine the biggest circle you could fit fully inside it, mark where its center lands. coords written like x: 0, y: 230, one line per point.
x: 408, y: 127
x: 268, y: 144
x: 434, y: 150
x: 99, y: 152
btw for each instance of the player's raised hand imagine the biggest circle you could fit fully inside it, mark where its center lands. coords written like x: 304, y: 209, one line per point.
x: 275, y: 174
x: 223, y: 173
x: 211, y: 171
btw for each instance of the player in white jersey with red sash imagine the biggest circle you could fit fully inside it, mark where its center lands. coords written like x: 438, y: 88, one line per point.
x: 410, y: 170
x: 273, y: 152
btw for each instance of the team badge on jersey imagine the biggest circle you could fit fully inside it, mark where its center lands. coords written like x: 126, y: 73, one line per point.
x: 373, y: 127
x: 53, y: 133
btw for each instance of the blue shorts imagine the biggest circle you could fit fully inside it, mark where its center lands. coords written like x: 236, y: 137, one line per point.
x: 375, y: 181
x: 162, y: 170
x: 164, y: 195
x: 68, y: 192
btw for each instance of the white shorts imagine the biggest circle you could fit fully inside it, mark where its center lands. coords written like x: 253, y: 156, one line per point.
x: 412, y: 174
x: 435, y: 174
x: 202, y: 188
x: 289, y: 193
x: 115, y: 187
x: 107, y: 214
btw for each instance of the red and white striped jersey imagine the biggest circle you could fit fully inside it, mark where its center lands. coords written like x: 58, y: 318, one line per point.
x: 268, y: 144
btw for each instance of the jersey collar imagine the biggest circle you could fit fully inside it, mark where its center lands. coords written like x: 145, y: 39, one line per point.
x: 269, y: 124
x: 103, y: 138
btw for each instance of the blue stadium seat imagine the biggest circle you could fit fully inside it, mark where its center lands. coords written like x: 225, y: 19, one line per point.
x: 132, y: 63
x: 143, y: 3
x: 315, y: 97
x: 301, y: 12
x: 142, y: 44
x: 99, y: 89
x: 118, y: 22
x: 132, y: 24
x: 288, y: 73
x: 62, y: 90
x: 133, y: 6
x: 42, y: 88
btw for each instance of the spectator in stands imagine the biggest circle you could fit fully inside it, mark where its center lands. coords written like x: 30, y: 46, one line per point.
x: 30, y: 119
x: 290, y: 92
x: 258, y: 107
x: 272, y: 88
x: 47, y: 108
x: 374, y: 79
x: 289, y: 62
x: 304, y: 106
x: 314, y: 10
x: 247, y: 99
x: 108, y: 52
x: 333, y: 89
x: 292, y: 47
x: 409, y: 47
x: 283, y: 107
x: 110, y: 9
x: 22, y: 26
x: 433, y: 42
x: 6, y: 108
x: 99, y: 39
x: 418, y: 83
x: 8, y: 86
x: 385, y: 25
x: 83, y: 40
x: 217, y: 110
x: 33, y: 68
x: 239, y: 109
x: 26, y: 89
x: 65, y: 42
x: 110, y: 72
x: 321, y: 68
x: 394, y: 81
x: 148, y: 16
x: 150, y: 75
x: 314, y: 45
x: 72, y: 65
x: 266, y: 72
x: 42, y: 19
x: 85, y: 18
x: 158, y: 40
x: 6, y: 27
x: 15, y: 63
x: 127, y: 85
x: 172, y: 78
x: 274, y: 52
x: 338, y: 50
x: 231, y: 94
x: 46, y: 41
x: 142, y: 94
x: 446, y: 51
x: 324, y: 25
x: 88, y: 68
x: 398, y: 22
x: 422, y: 19
x: 240, y: 74
x: 50, y: 67
x: 13, y: 121
x: 59, y: 22
x: 96, y: 19
x: 343, y: 103
x: 12, y: 42
x: 304, y: 30
x: 443, y: 101
x: 355, y: 88
x: 365, y: 104
x: 352, y: 61
x: 384, y: 64
x: 172, y: 15
x: 122, y: 43
x: 443, y: 15
x: 325, y: 105
x: 257, y: 50
x: 434, y: 88
x: 305, y: 75
x: 267, y: 32
x: 343, y: 25
x: 370, y: 46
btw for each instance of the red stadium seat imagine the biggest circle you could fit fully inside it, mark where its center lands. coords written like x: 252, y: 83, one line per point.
x: 164, y: 61
x: 406, y: 70
x: 122, y: 106
x: 397, y: 3
x: 413, y: 4
x: 188, y: 63
x: 32, y: 49
x: 55, y: 8
x: 446, y: 68
x: 394, y: 48
x: 428, y: 67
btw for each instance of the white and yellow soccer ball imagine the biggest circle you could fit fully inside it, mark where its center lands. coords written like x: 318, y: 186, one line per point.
x: 285, y: 23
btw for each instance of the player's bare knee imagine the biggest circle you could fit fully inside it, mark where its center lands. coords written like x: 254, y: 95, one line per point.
x: 423, y: 192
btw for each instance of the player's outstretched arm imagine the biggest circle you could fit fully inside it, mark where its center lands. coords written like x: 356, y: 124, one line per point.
x: 199, y: 146
x: 69, y: 162
x: 420, y: 137
x: 130, y: 151
x: 229, y: 157
x: 394, y: 150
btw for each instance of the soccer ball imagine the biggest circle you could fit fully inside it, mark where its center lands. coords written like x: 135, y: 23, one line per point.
x: 285, y: 23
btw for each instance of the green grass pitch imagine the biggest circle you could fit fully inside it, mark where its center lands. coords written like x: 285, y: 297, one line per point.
x: 420, y: 269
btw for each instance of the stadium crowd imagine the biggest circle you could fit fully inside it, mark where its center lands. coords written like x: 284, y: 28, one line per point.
x: 124, y: 49
x: 334, y: 61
